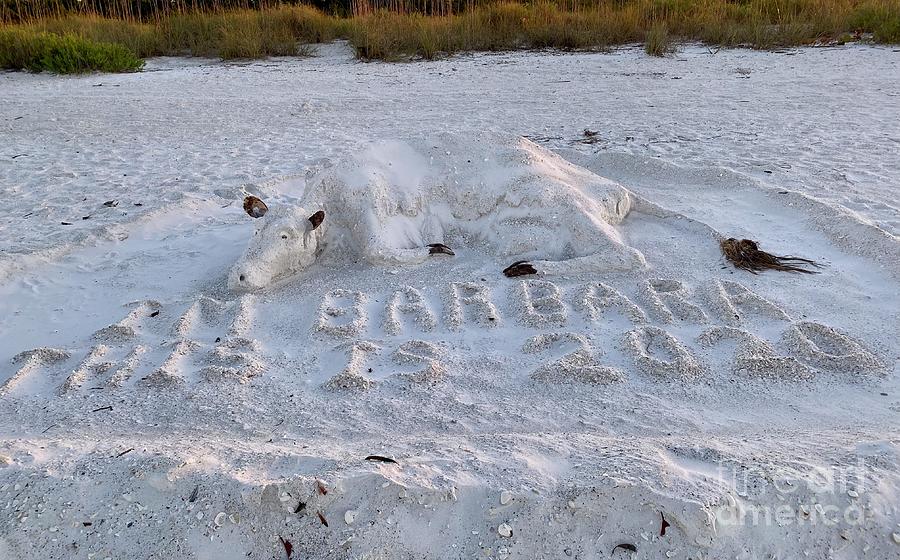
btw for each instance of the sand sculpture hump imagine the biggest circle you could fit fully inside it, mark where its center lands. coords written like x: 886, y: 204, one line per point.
x: 403, y: 202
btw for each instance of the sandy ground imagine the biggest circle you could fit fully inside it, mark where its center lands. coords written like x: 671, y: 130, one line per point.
x: 684, y: 411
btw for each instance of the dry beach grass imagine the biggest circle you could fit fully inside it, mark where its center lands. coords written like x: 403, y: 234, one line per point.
x: 403, y: 31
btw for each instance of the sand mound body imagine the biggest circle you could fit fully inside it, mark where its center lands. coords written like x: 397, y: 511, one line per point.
x: 390, y: 201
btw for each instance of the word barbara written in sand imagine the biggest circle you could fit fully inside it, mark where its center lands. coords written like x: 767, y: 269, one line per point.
x: 535, y: 303
x: 715, y: 319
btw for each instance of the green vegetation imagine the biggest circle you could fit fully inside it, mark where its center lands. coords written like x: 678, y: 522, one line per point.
x: 234, y: 34
x: 881, y: 18
x: 761, y: 24
x: 658, y: 42
x: 71, y: 35
x: 63, y: 54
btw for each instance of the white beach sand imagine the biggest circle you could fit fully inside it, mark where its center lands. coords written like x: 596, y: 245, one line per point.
x: 148, y: 411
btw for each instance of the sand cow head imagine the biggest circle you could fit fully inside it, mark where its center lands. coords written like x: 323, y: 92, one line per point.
x: 285, y: 242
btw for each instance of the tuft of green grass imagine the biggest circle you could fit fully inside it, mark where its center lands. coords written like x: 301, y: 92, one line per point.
x: 63, y: 54
x: 881, y: 19
x: 658, y: 41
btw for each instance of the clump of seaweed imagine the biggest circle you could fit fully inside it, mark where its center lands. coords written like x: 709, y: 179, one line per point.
x: 746, y: 254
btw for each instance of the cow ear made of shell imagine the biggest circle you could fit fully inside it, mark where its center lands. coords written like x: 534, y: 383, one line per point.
x: 255, y: 207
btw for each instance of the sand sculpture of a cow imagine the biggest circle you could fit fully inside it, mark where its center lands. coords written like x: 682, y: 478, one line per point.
x: 401, y: 203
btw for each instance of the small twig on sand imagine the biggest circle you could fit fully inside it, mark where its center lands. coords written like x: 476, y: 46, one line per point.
x: 380, y: 459
x: 102, y: 408
x: 288, y: 547
x: 129, y: 450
